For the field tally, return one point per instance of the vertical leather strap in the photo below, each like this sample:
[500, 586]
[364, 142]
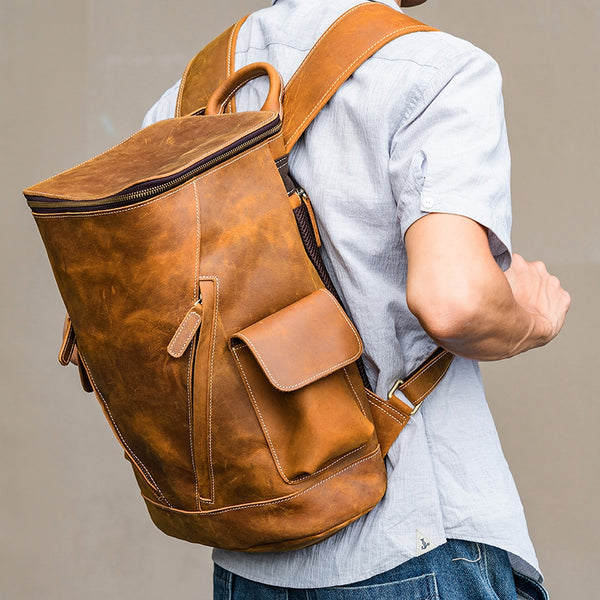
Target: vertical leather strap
[345, 45]
[211, 66]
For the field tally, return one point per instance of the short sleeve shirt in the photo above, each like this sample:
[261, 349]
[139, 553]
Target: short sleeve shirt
[418, 128]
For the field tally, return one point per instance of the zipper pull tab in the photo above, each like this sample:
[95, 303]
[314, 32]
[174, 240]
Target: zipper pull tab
[186, 331]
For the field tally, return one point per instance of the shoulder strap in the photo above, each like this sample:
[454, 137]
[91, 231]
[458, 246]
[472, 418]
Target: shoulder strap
[211, 66]
[347, 44]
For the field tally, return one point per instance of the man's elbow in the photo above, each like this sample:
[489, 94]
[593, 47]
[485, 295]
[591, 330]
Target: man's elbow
[447, 314]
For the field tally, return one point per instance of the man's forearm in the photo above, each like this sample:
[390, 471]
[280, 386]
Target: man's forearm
[466, 303]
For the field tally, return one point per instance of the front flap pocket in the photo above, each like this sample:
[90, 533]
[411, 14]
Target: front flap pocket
[303, 342]
[308, 404]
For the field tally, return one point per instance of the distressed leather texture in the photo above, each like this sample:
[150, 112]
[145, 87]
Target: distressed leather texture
[224, 367]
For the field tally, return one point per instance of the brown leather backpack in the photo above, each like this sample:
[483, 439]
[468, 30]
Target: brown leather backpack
[188, 262]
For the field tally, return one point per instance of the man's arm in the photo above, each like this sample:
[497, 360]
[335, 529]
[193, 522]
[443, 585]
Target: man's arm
[466, 303]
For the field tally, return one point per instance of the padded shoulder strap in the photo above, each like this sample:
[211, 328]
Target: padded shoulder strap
[212, 65]
[347, 43]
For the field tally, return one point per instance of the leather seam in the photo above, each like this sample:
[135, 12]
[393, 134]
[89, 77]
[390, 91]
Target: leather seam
[423, 371]
[375, 454]
[138, 462]
[260, 417]
[195, 295]
[268, 436]
[360, 406]
[389, 407]
[214, 279]
[325, 33]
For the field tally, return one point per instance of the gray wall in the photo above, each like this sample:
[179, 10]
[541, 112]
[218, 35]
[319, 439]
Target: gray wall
[77, 76]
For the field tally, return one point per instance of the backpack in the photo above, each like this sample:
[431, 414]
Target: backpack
[203, 316]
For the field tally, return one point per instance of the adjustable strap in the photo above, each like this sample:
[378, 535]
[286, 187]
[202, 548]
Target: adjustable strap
[391, 415]
[422, 381]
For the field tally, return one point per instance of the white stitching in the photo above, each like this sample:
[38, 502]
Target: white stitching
[215, 280]
[380, 407]
[389, 406]
[190, 363]
[360, 406]
[259, 413]
[178, 351]
[313, 377]
[272, 502]
[469, 560]
[424, 394]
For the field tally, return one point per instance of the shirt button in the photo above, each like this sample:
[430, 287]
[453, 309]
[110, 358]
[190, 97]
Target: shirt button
[426, 203]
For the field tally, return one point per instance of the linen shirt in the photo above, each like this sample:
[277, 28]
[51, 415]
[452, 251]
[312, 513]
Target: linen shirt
[418, 128]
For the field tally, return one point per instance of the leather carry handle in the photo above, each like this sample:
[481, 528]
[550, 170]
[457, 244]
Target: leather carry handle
[228, 88]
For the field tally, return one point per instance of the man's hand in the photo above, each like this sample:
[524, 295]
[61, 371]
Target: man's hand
[540, 294]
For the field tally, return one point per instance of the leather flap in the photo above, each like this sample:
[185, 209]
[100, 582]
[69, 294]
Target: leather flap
[303, 342]
[157, 152]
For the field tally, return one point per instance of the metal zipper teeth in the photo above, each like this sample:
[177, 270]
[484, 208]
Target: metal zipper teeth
[140, 196]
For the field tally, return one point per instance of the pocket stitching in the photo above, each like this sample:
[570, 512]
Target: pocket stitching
[235, 350]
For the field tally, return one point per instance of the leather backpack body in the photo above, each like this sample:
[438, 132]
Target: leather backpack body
[204, 320]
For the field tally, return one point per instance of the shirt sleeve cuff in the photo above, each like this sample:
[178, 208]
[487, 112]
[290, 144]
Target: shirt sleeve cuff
[498, 229]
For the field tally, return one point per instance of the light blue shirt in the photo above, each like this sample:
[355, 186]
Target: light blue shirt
[418, 128]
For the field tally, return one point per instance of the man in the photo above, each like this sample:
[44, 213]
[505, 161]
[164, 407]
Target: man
[407, 168]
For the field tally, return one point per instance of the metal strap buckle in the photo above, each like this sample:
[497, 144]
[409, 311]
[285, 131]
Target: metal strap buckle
[395, 388]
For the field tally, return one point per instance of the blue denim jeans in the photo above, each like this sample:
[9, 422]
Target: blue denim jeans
[457, 570]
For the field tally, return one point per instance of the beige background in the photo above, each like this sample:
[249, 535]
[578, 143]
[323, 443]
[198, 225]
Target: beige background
[77, 76]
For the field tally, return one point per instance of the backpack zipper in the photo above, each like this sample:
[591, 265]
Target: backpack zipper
[51, 205]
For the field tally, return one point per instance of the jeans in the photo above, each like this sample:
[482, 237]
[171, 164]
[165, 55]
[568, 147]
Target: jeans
[457, 570]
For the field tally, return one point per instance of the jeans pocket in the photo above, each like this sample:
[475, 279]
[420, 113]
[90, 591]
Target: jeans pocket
[529, 589]
[423, 587]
